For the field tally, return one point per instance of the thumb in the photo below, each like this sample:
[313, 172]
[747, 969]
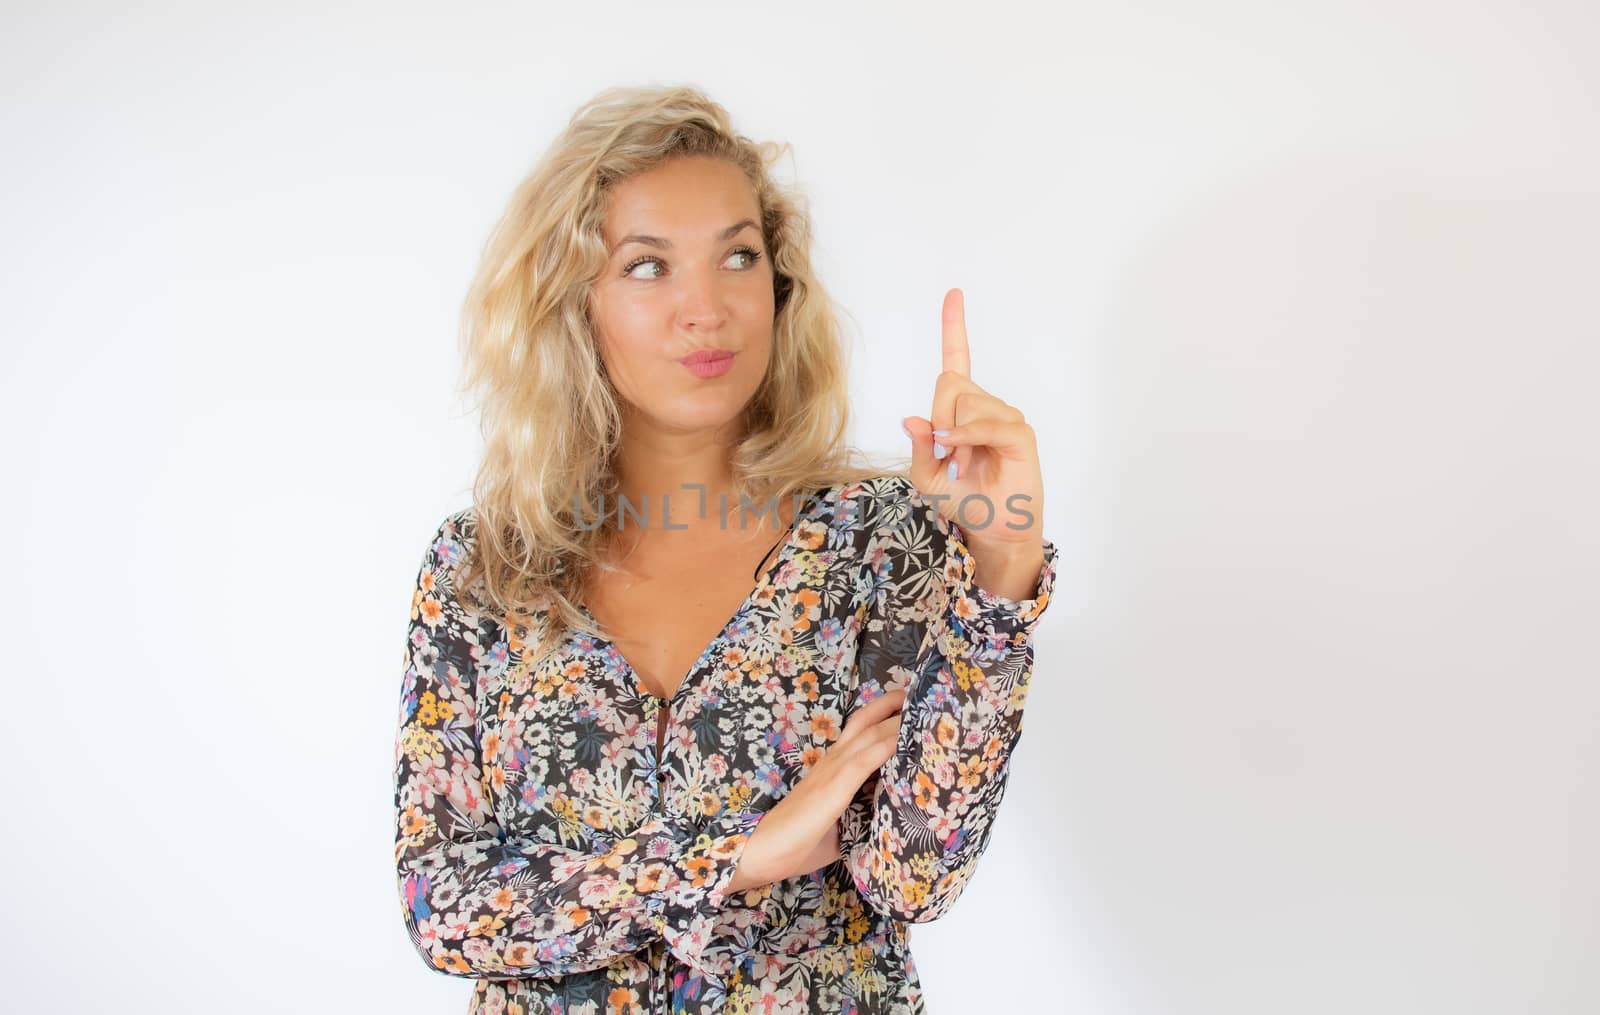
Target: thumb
[923, 464]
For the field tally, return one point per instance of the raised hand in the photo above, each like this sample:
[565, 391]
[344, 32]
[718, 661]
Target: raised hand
[975, 444]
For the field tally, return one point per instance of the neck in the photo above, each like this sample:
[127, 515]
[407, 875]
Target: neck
[686, 472]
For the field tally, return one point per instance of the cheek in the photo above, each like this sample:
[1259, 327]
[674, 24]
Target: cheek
[761, 296]
[626, 333]
[755, 308]
[629, 320]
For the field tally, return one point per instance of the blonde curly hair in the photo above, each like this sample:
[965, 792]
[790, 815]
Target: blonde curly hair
[550, 417]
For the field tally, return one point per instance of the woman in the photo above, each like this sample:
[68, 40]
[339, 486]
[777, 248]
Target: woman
[612, 794]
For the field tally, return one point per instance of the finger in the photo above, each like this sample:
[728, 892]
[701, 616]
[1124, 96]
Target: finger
[887, 735]
[873, 747]
[1008, 438]
[971, 402]
[968, 408]
[976, 403]
[960, 463]
[923, 464]
[957, 357]
[947, 391]
[872, 712]
[829, 788]
[878, 709]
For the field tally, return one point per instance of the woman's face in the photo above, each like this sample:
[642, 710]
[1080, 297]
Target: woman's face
[687, 271]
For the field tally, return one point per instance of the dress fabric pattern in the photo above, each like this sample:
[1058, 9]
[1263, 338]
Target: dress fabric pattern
[545, 851]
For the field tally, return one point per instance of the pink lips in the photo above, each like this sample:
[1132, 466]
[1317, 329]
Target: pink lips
[708, 362]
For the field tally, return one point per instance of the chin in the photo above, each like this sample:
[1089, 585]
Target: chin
[699, 413]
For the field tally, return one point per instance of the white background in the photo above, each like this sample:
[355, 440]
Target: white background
[1300, 299]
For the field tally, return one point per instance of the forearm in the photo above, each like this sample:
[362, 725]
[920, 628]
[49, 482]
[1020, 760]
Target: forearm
[754, 872]
[744, 878]
[969, 676]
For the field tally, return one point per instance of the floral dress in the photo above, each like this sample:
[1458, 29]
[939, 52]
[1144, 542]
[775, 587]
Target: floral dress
[547, 850]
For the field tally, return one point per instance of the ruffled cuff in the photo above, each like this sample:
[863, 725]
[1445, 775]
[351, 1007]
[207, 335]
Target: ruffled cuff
[991, 623]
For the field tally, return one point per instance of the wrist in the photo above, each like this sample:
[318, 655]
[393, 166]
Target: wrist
[749, 872]
[1008, 570]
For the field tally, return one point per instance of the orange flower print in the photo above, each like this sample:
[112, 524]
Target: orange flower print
[825, 725]
[613, 858]
[452, 962]
[970, 773]
[811, 534]
[653, 877]
[432, 613]
[697, 868]
[487, 925]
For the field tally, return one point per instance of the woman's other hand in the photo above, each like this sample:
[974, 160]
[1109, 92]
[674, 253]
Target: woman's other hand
[801, 832]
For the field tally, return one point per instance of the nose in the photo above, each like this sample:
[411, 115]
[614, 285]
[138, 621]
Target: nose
[700, 304]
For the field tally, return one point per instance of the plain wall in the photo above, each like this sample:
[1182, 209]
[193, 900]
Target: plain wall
[1300, 299]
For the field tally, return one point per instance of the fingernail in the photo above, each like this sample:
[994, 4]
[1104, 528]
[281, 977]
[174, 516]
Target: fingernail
[939, 450]
[907, 429]
[951, 472]
[941, 433]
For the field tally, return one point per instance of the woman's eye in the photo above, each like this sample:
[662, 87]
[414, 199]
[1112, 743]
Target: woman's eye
[628, 272]
[749, 256]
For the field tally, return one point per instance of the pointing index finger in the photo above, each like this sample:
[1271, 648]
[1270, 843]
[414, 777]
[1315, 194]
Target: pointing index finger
[956, 355]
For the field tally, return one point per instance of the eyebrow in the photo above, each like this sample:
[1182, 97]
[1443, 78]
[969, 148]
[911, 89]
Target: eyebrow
[658, 242]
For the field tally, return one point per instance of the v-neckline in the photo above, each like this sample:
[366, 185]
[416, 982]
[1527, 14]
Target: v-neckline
[767, 577]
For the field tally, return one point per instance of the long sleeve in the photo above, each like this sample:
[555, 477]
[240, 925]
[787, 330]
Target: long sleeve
[964, 658]
[479, 903]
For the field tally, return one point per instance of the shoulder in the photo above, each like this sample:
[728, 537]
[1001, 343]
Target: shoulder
[888, 511]
[873, 493]
[452, 539]
[448, 551]
[889, 502]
